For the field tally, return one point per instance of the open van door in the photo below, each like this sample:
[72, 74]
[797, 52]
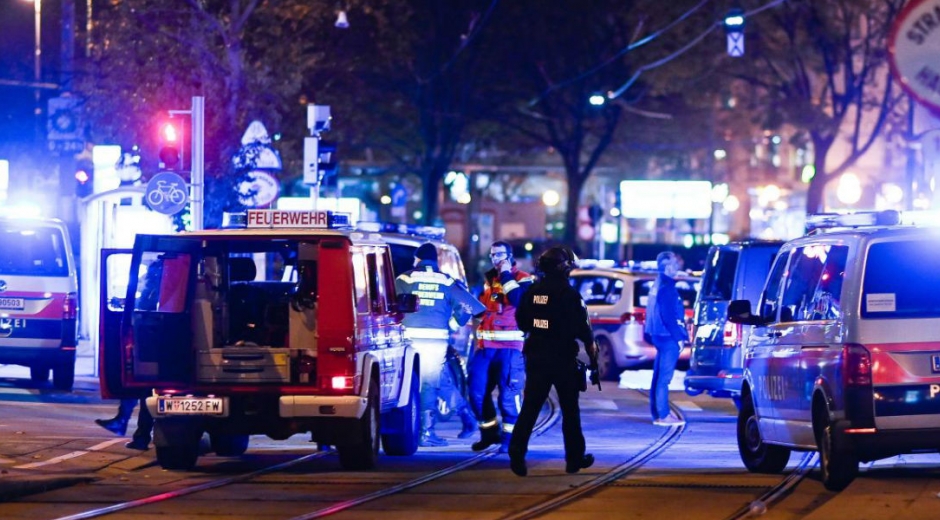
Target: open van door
[114, 280]
[146, 336]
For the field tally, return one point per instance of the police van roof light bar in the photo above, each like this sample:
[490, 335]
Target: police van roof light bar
[823, 221]
[430, 232]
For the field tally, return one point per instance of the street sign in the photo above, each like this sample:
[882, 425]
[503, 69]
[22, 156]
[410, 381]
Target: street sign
[259, 190]
[64, 127]
[399, 201]
[913, 46]
[166, 193]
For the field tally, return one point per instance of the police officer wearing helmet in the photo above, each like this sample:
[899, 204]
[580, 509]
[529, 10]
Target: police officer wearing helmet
[553, 316]
[440, 299]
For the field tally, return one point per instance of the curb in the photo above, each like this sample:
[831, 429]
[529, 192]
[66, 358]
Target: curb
[16, 484]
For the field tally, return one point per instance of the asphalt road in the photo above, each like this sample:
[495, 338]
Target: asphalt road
[55, 462]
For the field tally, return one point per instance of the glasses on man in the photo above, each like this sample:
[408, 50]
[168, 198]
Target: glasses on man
[498, 255]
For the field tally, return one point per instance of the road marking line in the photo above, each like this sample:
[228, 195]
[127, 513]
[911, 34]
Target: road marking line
[67, 456]
[688, 406]
[598, 404]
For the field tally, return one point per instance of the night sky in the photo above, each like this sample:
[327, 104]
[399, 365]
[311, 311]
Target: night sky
[16, 63]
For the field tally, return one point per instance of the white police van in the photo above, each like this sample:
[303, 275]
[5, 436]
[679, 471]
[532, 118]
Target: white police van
[38, 299]
[844, 355]
[289, 325]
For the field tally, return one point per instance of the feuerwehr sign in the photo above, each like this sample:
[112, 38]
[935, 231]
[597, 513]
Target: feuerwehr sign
[913, 47]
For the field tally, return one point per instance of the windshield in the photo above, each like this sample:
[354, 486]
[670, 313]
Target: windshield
[34, 251]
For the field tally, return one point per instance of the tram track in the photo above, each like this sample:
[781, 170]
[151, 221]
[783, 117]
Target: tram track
[545, 423]
[669, 437]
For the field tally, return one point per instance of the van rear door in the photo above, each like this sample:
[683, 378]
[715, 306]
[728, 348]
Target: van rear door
[115, 270]
[156, 322]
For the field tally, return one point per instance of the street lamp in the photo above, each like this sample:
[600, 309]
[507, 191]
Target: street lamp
[37, 63]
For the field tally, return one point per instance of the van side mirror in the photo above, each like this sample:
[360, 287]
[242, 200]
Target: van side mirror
[739, 311]
[407, 303]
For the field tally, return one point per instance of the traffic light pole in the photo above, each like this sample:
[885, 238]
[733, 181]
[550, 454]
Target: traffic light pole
[197, 113]
[197, 179]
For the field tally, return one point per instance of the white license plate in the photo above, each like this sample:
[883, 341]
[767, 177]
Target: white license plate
[190, 406]
[17, 304]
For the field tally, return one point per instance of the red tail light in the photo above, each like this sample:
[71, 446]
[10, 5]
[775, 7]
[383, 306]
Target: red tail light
[638, 315]
[70, 306]
[856, 365]
[731, 334]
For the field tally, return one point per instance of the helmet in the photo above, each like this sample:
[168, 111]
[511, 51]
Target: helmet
[557, 260]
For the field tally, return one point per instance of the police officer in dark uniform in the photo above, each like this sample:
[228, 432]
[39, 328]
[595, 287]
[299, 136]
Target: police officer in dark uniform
[553, 316]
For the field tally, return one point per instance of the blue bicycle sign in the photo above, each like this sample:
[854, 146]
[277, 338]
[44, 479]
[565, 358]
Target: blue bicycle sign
[166, 193]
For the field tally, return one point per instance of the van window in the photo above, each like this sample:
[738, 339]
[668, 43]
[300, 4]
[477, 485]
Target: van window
[360, 279]
[815, 273]
[718, 280]
[770, 300]
[901, 280]
[162, 284]
[34, 251]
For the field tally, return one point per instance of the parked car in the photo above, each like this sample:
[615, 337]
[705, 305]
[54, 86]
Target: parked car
[844, 356]
[616, 300]
[734, 271]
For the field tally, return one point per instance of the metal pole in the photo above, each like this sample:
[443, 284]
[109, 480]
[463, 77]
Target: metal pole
[197, 178]
[89, 26]
[37, 64]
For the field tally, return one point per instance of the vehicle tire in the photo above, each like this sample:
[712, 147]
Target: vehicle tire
[38, 375]
[693, 391]
[228, 445]
[63, 375]
[758, 456]
[180, 457]
[837, 463]
[405, 442]
[606, 366]
[365, 453]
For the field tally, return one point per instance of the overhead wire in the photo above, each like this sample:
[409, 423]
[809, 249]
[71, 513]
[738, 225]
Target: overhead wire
[617, 93]
[621, 52]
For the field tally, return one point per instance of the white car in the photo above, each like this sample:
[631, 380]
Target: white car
[616, 300]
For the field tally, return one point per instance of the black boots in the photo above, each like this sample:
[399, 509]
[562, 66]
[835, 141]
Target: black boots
[429, 438]
[586, 462]
[138, 444]
[488, 437]
[517, 465]
[116, 425]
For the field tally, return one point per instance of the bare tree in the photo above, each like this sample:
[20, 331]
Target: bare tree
[821, 65]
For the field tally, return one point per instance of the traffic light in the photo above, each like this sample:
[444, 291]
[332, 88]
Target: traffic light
[171, 136]
[84, 178]
[327, 158]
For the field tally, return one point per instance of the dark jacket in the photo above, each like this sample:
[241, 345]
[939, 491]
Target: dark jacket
[553, 316]
[440, 296]
[665, 314]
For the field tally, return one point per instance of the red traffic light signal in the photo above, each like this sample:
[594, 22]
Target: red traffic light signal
[170, 145]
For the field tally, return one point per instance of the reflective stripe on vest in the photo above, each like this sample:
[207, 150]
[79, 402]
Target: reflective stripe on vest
[501, 335]
[426, 333]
